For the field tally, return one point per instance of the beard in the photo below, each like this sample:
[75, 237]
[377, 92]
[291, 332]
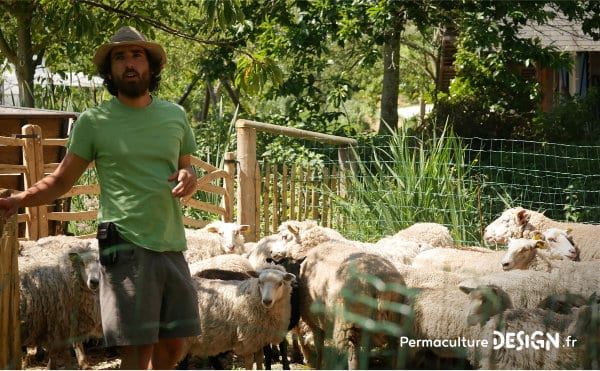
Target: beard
[132, 89]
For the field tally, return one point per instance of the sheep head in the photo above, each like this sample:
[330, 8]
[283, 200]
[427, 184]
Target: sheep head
[485, 302]
[230, 233]
[86, 265]
[561, 243]
[274, 284]
[521, 252]
[511, 223]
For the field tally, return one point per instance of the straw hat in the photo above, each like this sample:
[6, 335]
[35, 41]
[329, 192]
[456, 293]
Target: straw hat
[128, 35]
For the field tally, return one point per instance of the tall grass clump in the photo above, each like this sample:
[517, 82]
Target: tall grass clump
[409, 180]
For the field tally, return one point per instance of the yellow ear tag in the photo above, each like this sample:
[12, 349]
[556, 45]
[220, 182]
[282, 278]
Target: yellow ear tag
[540, 245]
[537, 236]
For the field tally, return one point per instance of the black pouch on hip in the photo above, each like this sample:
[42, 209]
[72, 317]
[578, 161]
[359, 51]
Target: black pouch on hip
[107, 236]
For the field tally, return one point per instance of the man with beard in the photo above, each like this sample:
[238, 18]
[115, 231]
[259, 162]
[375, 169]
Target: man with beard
[142, 150]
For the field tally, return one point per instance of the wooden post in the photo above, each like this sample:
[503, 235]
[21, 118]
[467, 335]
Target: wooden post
[229, 168]
[10, 340]
[246, 202]
[33, 160]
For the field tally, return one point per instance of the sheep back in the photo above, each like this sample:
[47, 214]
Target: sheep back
[334, 274]
[476, 261]
[436, 235]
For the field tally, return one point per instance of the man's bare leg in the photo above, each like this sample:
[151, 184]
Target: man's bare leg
[136, 357]
[167, 353]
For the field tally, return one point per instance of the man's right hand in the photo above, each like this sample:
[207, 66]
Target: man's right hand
[8, 207]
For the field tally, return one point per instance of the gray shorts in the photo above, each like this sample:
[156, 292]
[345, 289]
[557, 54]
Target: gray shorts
[146, 296]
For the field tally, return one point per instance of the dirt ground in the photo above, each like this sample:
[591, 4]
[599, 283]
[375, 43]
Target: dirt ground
[101, 358]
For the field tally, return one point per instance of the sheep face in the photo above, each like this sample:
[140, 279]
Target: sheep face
[521, 251]
[287, 236]
[87, 266]
[231, 234]
[560, 243]
[280, 247]
[485, 302]
[511, 223]
[274, 285]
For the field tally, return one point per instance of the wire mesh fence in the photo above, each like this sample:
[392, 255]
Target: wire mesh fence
[463, 183]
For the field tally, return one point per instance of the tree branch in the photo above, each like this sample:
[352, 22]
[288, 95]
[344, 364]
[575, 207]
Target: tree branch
[170, 30]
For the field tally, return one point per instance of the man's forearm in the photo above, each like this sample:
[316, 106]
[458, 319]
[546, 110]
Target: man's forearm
[43, 192]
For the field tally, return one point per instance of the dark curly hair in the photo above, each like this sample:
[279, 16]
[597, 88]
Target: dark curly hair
[155, 69]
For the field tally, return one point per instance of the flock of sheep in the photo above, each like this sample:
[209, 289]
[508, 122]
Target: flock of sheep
[408, 297]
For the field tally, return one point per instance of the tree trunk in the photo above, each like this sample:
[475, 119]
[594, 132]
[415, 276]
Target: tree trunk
[25, 65]
[391, 77]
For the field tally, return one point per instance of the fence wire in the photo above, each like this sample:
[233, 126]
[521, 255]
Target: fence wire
[392, 188]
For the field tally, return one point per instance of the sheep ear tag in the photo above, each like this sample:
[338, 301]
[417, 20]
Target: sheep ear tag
[537, 236]
[540, 245]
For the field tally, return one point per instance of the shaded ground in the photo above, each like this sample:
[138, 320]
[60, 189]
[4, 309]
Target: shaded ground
[101, 358]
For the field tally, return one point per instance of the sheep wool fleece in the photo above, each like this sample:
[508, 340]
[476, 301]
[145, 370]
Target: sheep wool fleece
[136, 150]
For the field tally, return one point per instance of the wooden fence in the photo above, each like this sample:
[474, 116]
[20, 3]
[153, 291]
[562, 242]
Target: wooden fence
[296, 193]
[37, 220]
[10, 345]
[249, 190]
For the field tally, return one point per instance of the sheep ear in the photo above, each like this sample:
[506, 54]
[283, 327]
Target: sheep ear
[244, 228]
[522, 217]
[540, 245]
[289, 277]
[212, 229]
[292, 228]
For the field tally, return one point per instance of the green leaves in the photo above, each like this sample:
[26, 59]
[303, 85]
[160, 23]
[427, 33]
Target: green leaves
[253, 75]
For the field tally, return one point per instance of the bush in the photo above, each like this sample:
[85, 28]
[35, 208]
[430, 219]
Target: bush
[574, 120]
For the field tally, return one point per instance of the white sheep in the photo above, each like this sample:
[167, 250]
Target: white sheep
[260, 253]
[301, 236]
[422, 277]
[434, 234]
[525, 253]
[527, 288]
[396, 249]
[242, 316]
[560, 244]
[228, 262]
[491, 315]
[216, 238]
[407, 243]
[295, 239]
[59, 297]
[334, 277]
[522, 223]
[466, 260]
[440, 313]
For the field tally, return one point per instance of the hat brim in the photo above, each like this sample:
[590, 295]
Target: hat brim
[154, 49]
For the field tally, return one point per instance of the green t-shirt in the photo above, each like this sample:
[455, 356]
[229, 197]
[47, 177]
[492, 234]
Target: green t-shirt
[136, 150]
